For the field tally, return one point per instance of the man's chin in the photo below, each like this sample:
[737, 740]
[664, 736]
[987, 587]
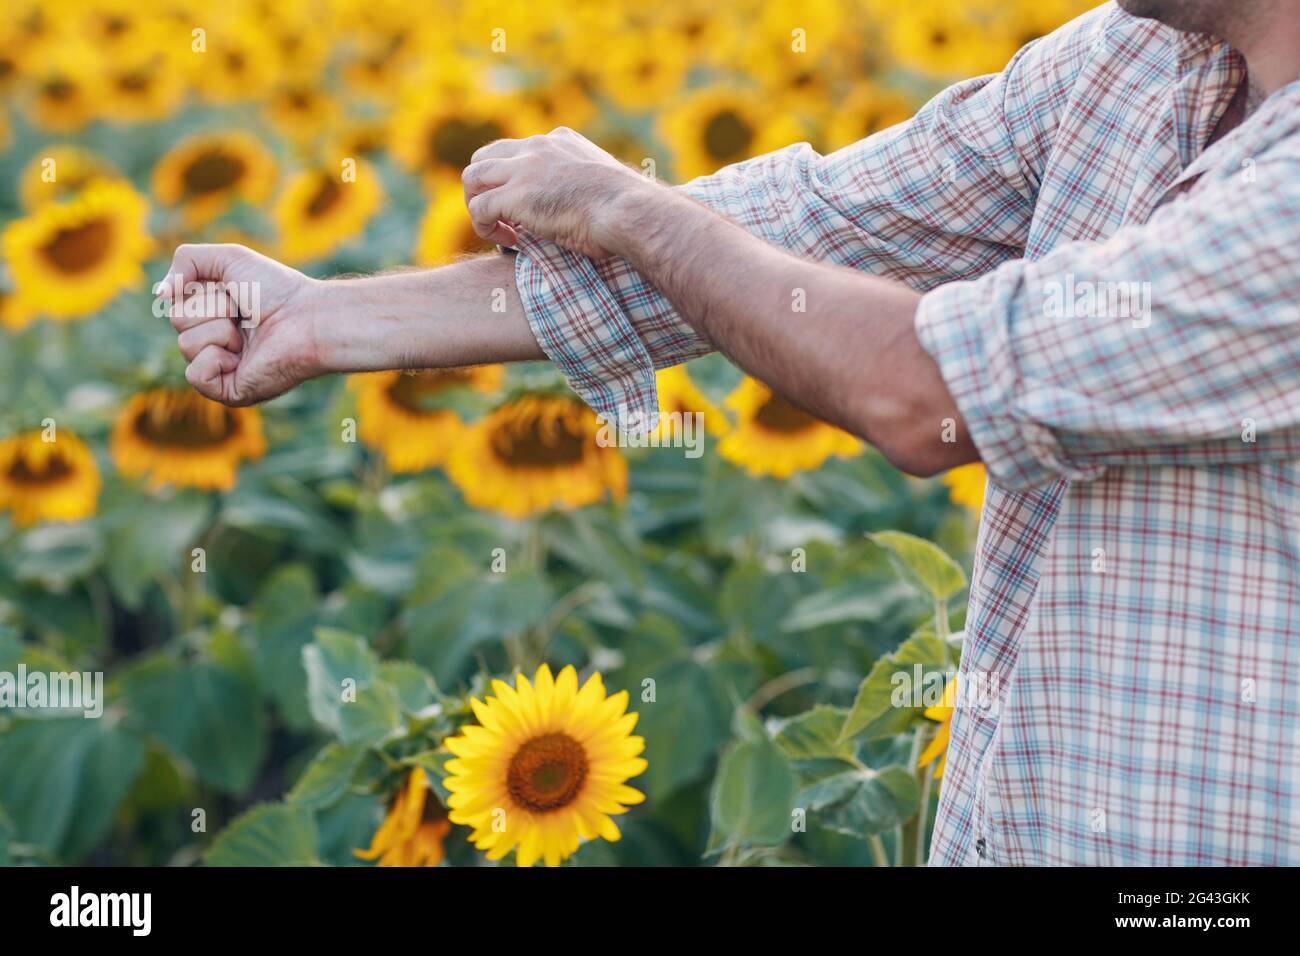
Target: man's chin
[1146, 9]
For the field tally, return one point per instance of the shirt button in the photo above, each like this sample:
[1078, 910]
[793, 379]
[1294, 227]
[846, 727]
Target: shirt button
[979, 847]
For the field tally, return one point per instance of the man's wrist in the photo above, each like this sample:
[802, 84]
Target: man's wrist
[343, 336]
[637, 211]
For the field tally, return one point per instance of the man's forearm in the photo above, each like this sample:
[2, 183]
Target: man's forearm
[467, 313]
[838, 342]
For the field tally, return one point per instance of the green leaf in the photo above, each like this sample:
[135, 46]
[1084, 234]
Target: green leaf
[207, 713]
[415, 688]
[284, 615]
[923, 563]
[272, 834]
[861, 802]
[889, 698]
[444, 629]
[326, 778]
[842, 604]
[152, 537]
[6, 835]
[344, 690]
[62, 781]
[54, 554]
[753, 796]
[815, 735]
[682, 727]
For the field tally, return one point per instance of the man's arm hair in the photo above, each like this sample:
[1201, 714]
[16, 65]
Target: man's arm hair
[836, 341]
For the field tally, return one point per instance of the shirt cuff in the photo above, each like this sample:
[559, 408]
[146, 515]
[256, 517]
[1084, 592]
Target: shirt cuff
[966, 327]
[582, 329]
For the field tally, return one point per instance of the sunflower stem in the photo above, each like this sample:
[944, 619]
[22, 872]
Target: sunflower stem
[922, 845]
[878, 854]
[906, 833]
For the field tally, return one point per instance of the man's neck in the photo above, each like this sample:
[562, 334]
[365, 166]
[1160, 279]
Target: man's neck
[1270, 43]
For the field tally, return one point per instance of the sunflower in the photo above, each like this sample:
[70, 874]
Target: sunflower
[773, 437]
[678, 395]
[446, 231]
[359, 137]
[65, 83]
[13, 314]
[939, 39]
[14, 54]
[47, 481]
[966, 485]
[70, 258]
[209, 172]
[322, 208]
[176, 436]
[300, 109]
[640, 73]
[536, 452]
[868, 109]
[712, 128]
[412, 833]
[381, 60]
[397, 412]
[942, 712]
[545, 767]
[141, 84]
[238, 62]
[58, 172]
[563, 101]
[438, 135]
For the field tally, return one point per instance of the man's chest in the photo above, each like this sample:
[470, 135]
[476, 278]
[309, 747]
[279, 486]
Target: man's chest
[1130, 141]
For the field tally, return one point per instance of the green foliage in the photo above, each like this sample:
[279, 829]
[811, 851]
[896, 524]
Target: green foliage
[322, 667]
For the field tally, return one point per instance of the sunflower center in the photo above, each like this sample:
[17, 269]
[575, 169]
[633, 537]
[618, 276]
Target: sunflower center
[212, 172]
[189, 425]
[328, 195]
[137, 82]
[547, 772]
[778, 415]
[453, 142]
[433, 812]
[24, 472]
[412, 392]
[727, 135]
[59, 89]
[78, 248]
[540, 440]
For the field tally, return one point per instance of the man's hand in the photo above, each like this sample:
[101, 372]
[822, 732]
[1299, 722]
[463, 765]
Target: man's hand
[560, 186]
[246, 322]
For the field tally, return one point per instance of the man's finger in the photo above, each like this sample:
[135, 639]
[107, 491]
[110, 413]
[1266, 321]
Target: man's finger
[209, 302]
[498, 149]
[485, 174]
[222, 332]
[196, 262]
[485, 211]
[211, 373]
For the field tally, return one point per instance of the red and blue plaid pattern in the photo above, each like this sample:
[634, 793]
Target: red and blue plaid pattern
[1137, 574]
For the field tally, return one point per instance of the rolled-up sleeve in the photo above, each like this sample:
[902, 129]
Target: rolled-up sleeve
[948, 195]
[1174, 342]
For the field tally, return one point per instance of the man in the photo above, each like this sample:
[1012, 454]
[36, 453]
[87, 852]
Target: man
[1083, 271]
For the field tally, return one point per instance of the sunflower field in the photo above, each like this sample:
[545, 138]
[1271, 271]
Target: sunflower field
[422, 619]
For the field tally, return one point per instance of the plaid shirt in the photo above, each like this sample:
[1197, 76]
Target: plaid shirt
[1115, 308]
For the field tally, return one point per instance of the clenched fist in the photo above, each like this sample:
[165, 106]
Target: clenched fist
[246, 322]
